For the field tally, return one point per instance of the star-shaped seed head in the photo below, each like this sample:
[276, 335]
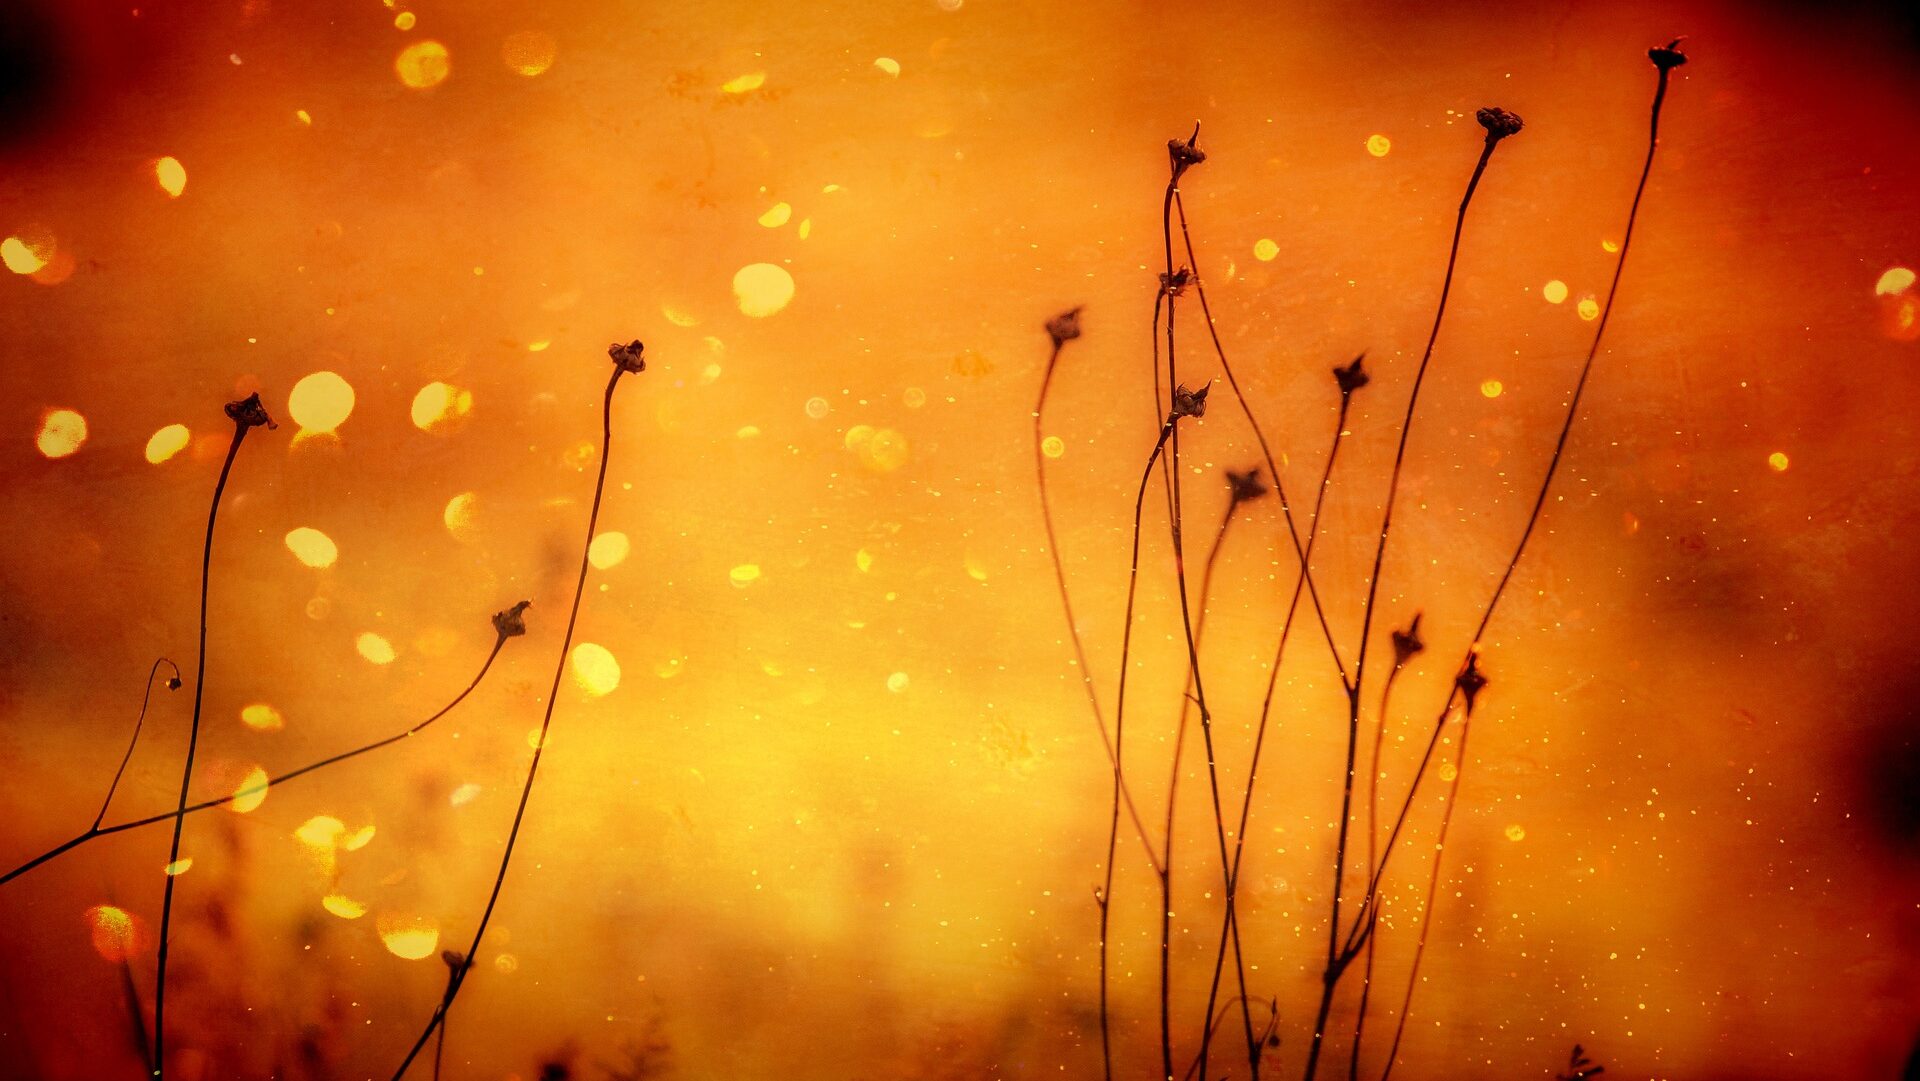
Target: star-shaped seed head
[1190, 403]
[1667, 57]
[1471, 680]
[249, 413]
[1499, 123]
[1064, 327]
[1246, 486]
[511, 623]
[629, 357]
[1407, 643]
[1352, 377]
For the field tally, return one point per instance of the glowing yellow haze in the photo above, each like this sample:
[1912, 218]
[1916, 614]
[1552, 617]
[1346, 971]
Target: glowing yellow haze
[320, 402]
[61, 433]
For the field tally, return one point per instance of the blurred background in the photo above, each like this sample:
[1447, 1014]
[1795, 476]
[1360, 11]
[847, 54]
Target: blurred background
[824, 799]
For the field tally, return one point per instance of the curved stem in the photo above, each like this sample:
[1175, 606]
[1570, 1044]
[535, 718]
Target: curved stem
[1373, 856]
[168, 816]
[1173, 793]
[546, 723]
[1539, 506]
[1335, 965]
[240, 428]
[138, 722]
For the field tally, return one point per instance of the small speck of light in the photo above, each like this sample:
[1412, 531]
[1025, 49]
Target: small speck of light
[423, 64]
[1492, 388]
[303, 117]
[405, 21]
[608, 550]
[117, 935]
[343, 906]
[1516, 832]
[251, 792]
[1053, 446]
[375, 648]
[742, 84]
[898, 682]
[1609, 245]
[24, 258]
[1448, 771]
[262, 717]
[312, 547]
[167, 442]
[889, 66]
[171, 175]
[438, 404]
[776, 215]
[595, 669]
[1589, 309]
[1379, 145]
[461, 515]
[409, 939]
[817, 407]
[1265, 250]
[1896, 280]
[762, 289]
[745, 574]
[179, 867]
[61, 433]
[1555, 291]
[1777, 461]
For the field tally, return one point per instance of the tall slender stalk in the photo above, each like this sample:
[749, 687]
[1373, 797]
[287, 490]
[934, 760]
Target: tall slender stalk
[1062, 329]
[1665, 59]
[1349, 379]
[1499, 124]
[173, 684]
[506, 624]
[1243, 487]
[246, 415]
[626, 358]
[1105, 894]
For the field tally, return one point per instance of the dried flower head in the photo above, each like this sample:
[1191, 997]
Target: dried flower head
[1407, 643]
[1246, 486]
[1471, 680]
[1352, 377]
[249, 413]
[1064, 327]
[1190, 403]
[453, 959]
[1176, 283]
[1668, 56]
[1499, 123]
[629, 357]
[511, 623]
[1183, 156]
[173, 683]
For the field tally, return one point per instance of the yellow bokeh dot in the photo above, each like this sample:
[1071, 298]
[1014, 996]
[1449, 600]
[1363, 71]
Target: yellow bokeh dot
[529, 52]
[251, 792]
[375, 648]
[439, 404]
[1778, 462]
[608, 549]
[888, 66]
[343, 906]
[462, 515]
[777, 215]
[863, 559]
[1516, 832]
[762, 289]
[1053, 446]
[1609, 246]
[61, 433]
[262, 717]
[1589, 308]
[178, 867]
[167, 442]
[1555, 291]
[312, 547]
[595, 669]
[409, 939]
[1378, 145]
[744, 575]
[1896, 280]
[817, 407]
[887, 451]
[171, 176]
[320, 402]
[1265, 250]
[405, 21]
[898, 682]
[506, 964]
[423, 64]
[741, 84]
[1448, 771]
[1492, 388]
[22, 257]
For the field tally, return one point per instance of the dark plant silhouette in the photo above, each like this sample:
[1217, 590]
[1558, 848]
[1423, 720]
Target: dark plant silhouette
[1579, 1067]
[626, 358]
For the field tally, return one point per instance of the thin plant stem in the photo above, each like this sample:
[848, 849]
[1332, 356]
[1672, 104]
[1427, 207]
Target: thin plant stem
[1273, 1022]
[1105, 896]
[173, 682]
[242, 423]
[1664, 61]
[1260, 437]
[1373, 836]
[1335, 965]
[102, 831]
[459, 978]
[1066, 599]
[1173, 791]
[1229, 923]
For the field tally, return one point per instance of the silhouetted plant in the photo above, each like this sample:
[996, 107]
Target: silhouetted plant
[1579, 1067]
